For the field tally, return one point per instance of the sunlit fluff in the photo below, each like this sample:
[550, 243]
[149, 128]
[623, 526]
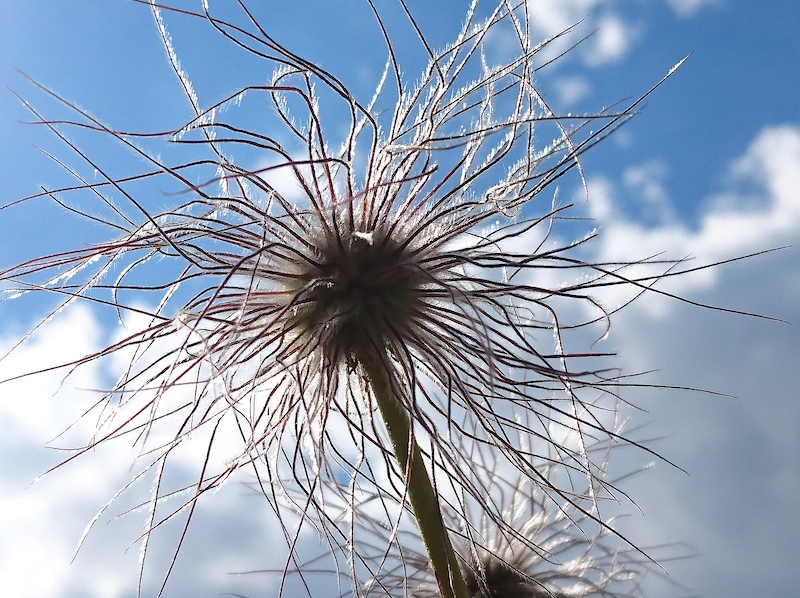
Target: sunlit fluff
[542, 549]
[297, 258]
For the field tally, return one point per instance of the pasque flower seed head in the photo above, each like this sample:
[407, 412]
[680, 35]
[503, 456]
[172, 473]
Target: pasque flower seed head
[408, 273]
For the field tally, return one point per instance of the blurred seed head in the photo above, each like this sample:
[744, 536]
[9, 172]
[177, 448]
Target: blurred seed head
[539, 547]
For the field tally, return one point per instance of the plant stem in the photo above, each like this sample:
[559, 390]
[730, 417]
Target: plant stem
[421, 495]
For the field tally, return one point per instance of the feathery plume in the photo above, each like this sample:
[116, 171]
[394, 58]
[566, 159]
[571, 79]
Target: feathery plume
[346, 292]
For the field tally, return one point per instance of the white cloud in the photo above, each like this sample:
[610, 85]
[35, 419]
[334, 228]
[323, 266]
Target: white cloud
[72, 333]
[553, 16]
[42, 523]
[737, 221]
[612, 40]
[282, 178]
[571, 90]
[687, 8]
[741, 453]
[614, 35]
[45, 520]
[646, 182]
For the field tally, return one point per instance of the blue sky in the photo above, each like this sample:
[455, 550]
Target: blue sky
[711, 168]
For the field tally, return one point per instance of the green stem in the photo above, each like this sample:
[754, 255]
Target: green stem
[421, 495]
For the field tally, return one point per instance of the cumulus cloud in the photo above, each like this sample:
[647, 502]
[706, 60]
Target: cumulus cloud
[612, 41]
[736, 507]
[553, 16]
[760, 210]
[613, 35]
[45, 519]
[42, 523]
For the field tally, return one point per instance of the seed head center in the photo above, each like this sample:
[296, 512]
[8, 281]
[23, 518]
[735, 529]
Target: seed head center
[364, 294]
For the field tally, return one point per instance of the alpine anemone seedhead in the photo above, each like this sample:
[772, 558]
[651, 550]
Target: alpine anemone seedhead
[413, 282]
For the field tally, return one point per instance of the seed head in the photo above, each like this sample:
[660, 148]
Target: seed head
[542, 548]
[420, 241]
